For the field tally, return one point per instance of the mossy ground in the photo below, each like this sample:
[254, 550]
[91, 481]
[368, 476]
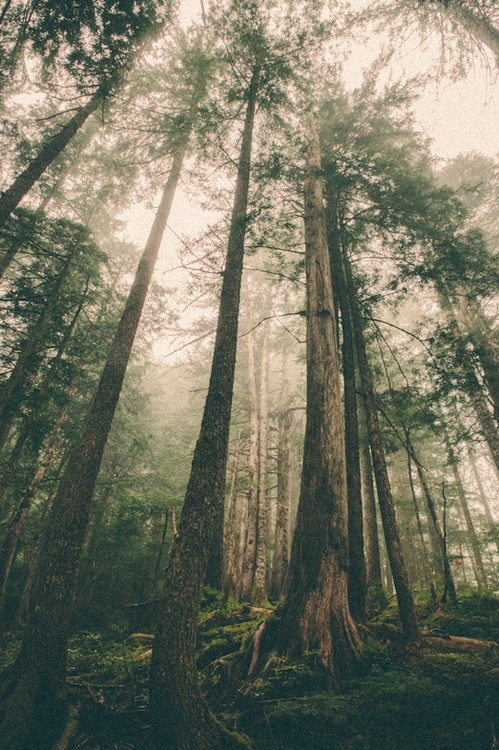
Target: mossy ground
[422, 699]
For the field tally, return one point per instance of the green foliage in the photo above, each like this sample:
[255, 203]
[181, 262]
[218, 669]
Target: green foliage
[94, 39]
[473, 616]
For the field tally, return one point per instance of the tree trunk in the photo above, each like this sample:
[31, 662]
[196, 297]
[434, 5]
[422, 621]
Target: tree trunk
[315, 615]
[251, 530]
[33, 704]
[481, 577]
[357, 568]
[175, 690]
[449, 586]
[376, 598]
[48, 153]
[283, 514]
[10, 541]
[483, 496]
[394, 548]
[427, 568]
[259, 588]
[231, 536]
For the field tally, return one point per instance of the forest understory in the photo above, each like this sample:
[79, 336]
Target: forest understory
[440, 694]
[249, 377]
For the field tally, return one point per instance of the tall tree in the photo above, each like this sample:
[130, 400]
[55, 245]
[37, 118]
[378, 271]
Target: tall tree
[315, 615]
[32, 689]
[174, 684]
[102, 42]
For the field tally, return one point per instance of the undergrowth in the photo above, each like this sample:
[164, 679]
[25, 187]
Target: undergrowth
[426, 699]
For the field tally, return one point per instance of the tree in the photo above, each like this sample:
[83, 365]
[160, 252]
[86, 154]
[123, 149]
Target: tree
[315, 615]
[32, 692]
[174, 684]
[115, 33]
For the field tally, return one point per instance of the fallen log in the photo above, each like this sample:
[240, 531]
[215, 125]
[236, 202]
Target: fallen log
[459, 643]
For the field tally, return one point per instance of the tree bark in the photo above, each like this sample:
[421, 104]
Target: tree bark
[315, 615]
[175, 690]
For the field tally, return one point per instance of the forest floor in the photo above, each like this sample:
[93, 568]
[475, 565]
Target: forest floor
[443, 695]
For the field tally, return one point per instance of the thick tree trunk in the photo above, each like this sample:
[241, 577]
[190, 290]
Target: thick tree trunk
[32, 706]
[357, 569]
[315, 615]
[394, 548]
[175, 691]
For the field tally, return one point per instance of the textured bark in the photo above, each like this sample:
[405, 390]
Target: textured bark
[394, 548]
[315, 615]
[33, 704]
[357, 568]
[175, 690]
